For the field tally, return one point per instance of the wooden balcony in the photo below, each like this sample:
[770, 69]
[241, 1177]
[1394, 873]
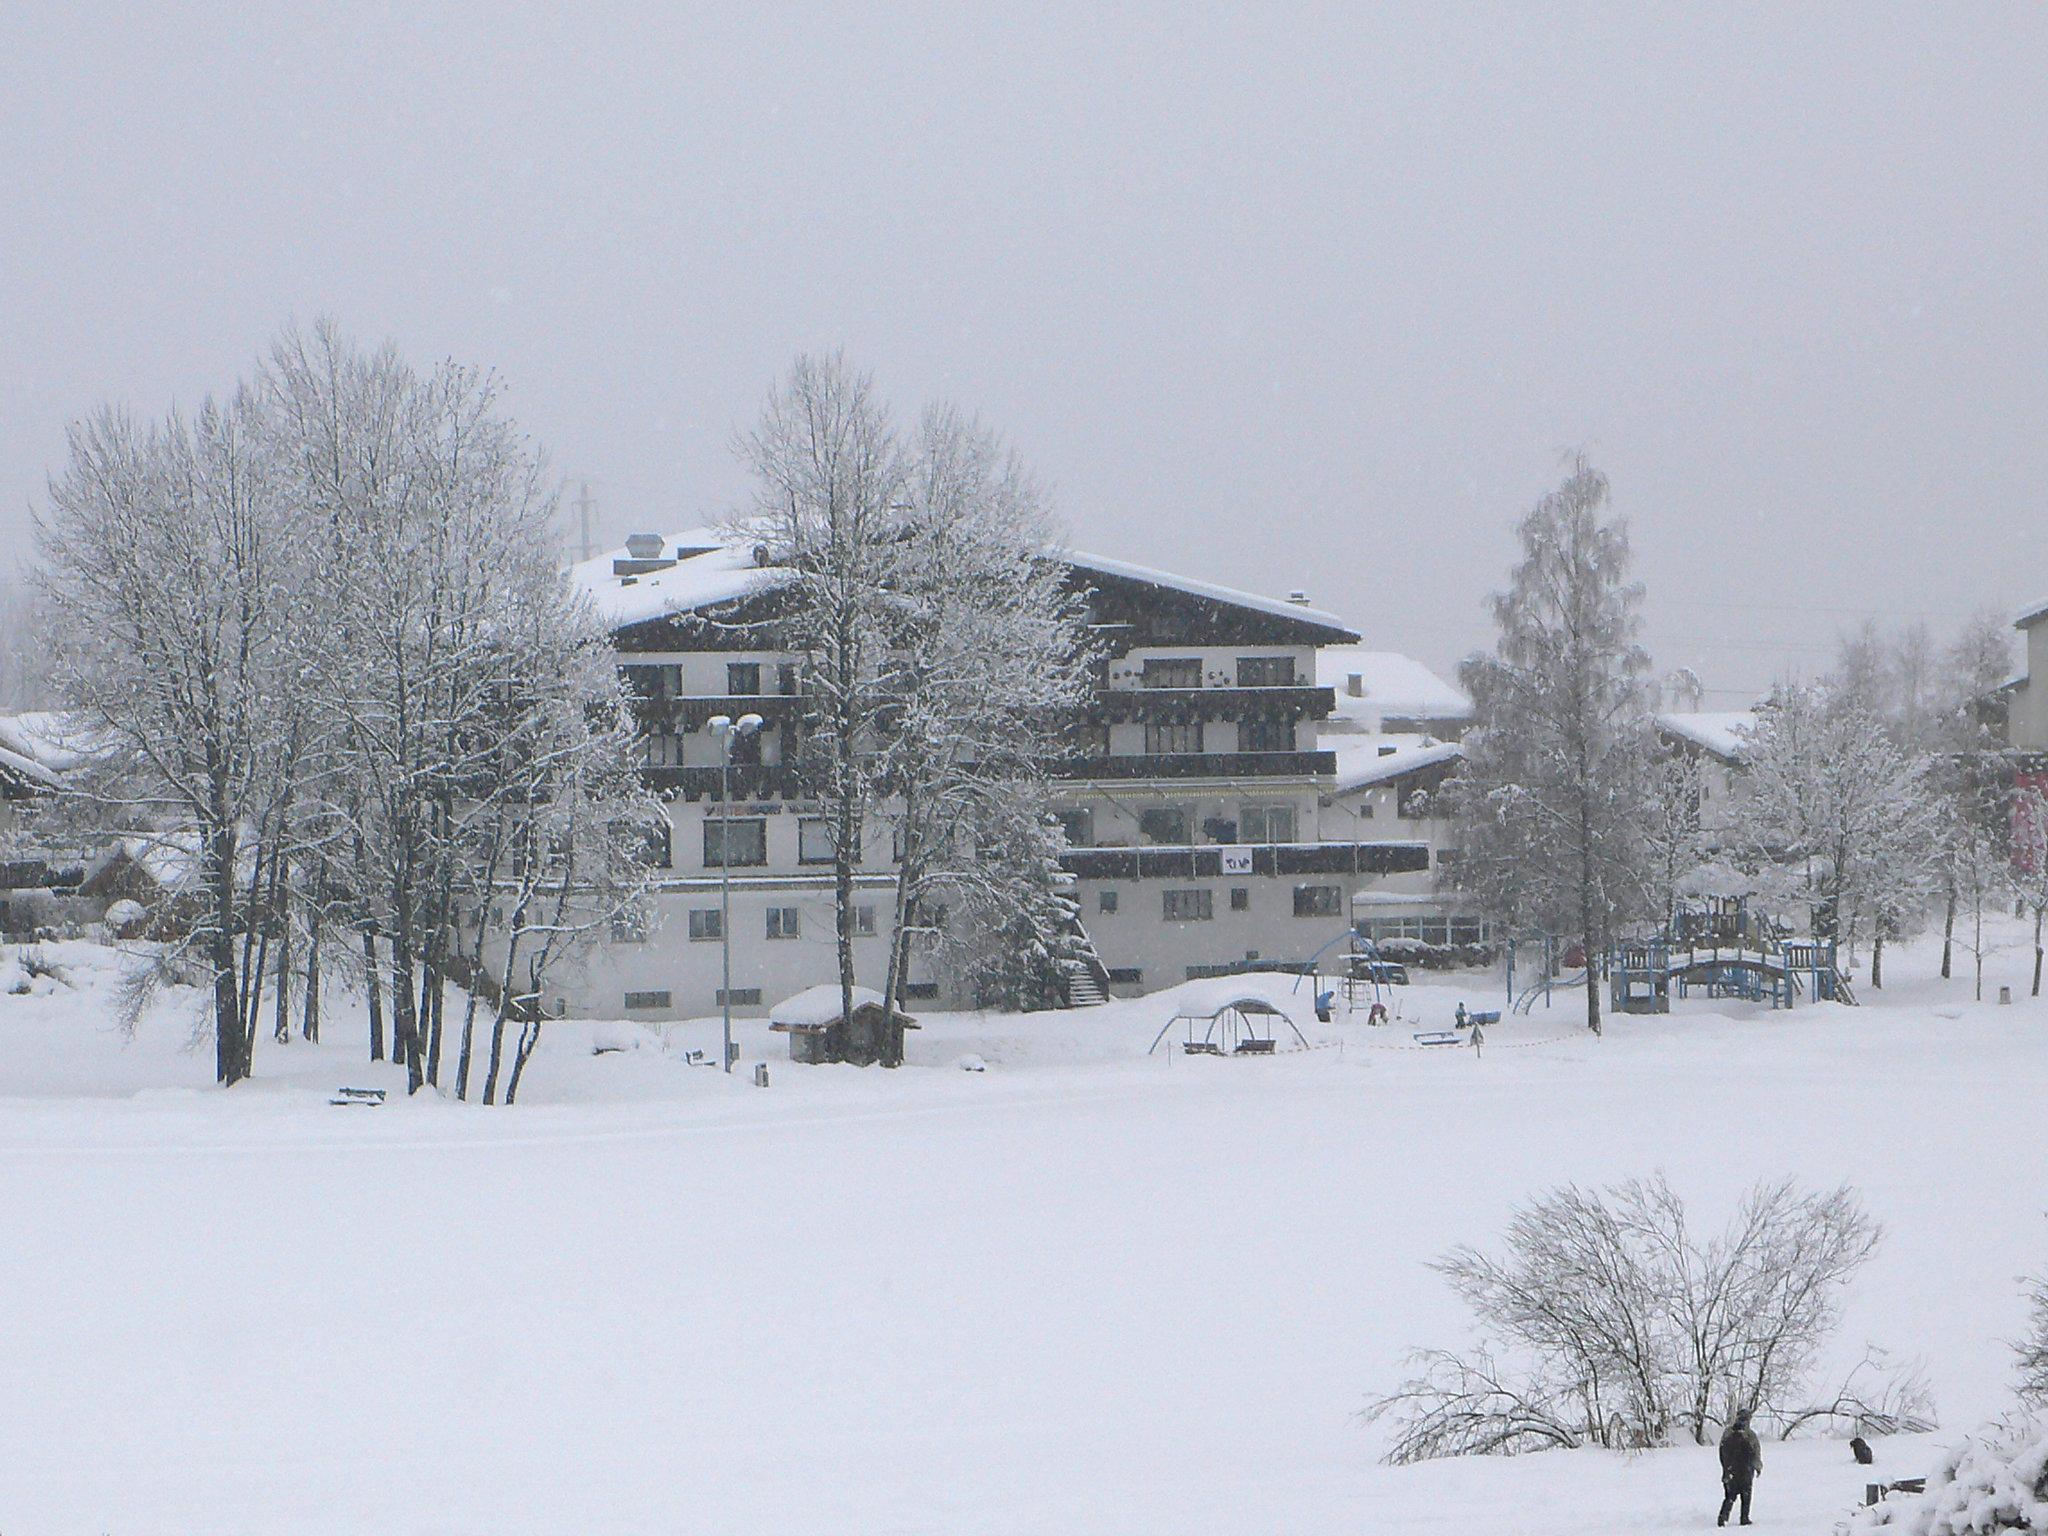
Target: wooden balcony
[750, 781]
[1162, 706]
[1198, 765]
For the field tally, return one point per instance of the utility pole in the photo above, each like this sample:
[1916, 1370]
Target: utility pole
[584, 507]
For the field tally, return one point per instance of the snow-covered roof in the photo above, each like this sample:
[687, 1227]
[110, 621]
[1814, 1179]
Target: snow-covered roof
[1389, 685]
[41, 743]
[2031, 615]
[1279, 607]
[1717, 731]
[1363, 761]
[713, 569]
[817, 1006]
[714, 566]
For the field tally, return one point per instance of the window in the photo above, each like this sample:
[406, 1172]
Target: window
[649, 843]
[813, 841]
[1189, 906]
[1167, 824]
[1266, 824]
[1105, 901]
[1177, 672]
[1126, 976]
[1365, 809]
[749, 841]
[743, 677]
[785, 679]
[744, 749]
[629, 925]
[1319, 901]
[1079, 827]
[1265, 733]
[707, 925]
[647, 1000]
[1265, 671]
[863, 922]
[1240, 898]
[653, 682]
[1446, 857]
[783, 923]
[1089, 741]
[739, 997]
[1184, 737]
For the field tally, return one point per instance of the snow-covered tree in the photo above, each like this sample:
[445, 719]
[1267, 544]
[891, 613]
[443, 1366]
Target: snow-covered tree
[1676, 844]
[1552, 798]
[1843, 817]
[2027, 857]
[171, 571]
[829, 506]
[990, 661]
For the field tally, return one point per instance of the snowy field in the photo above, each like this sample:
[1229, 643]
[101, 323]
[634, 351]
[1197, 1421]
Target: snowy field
[1085, 1290]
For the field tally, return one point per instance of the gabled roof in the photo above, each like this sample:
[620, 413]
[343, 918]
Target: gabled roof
[1274, 607]
[1363, 761]
[2031, 615]
[712, 566]
[1717, 731]
[1391, 686]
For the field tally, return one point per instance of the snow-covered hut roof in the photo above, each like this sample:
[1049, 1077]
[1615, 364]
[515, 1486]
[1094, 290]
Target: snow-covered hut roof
[1363, 761]
[816, 1007]
[1390, 686]
[1717, 731]
[40, 745]
[710, 568]
[2031, 615]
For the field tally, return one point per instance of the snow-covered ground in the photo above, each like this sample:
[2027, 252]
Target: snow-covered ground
[1083, 1290]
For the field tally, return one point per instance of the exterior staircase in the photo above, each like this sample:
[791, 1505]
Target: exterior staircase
[1086, 979]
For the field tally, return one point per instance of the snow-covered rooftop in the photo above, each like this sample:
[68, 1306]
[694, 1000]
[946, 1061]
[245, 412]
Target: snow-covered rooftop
[1390, 685]
[817, 1006]
[2031, 615]
[1277, 606]
[1717, 731]
[713, 569]
[1363, 761]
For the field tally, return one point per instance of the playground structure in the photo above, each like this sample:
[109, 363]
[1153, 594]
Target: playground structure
[1724, 949]
[1240, 1027]
[1641, 976]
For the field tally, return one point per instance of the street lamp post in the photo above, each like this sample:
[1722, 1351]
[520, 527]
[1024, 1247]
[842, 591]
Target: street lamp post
[724, 727]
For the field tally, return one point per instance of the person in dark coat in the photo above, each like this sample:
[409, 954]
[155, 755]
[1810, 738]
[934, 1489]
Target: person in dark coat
[1742, 1460]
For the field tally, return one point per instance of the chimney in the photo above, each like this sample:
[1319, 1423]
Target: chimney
[1298, 598]
[643, 554]
[1355, 685]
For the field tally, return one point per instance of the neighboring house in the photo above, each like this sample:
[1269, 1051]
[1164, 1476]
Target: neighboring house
[1385, 693]
[1386, 786]
[2026, 704]
[1714, 738]
[1196, 811]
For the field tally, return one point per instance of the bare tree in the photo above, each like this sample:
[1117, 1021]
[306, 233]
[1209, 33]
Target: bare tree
[1607, 1322]
[830, 508]
[1552, 793]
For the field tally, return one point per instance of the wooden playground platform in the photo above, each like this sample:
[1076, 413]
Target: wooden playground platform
[1642, 977]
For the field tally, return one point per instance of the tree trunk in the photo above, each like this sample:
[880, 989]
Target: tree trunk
[281, 1022]
[375, 983]
[1948, 933]
[2037, 952]
[309, 1024]
[529, 1037]
[1877, 960]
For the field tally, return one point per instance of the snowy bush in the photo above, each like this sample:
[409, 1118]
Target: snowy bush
[1607, 1322]
[2033, 1349]
[1993, 1481]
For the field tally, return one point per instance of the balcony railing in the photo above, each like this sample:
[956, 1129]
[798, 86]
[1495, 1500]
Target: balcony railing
[680, 716]
[1298, 702]
[750, 781]
[1199, 765]
[1206, 863]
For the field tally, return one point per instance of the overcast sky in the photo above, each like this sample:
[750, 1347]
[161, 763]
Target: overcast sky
[1274, 296]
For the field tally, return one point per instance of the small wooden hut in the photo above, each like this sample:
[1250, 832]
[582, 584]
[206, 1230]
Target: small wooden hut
[819, 1033]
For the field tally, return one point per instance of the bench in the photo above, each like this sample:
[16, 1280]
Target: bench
[1872, 1492]
[1255, 1047]
[367, 1097]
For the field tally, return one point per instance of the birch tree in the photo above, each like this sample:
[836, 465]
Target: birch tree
[831, 477]
[1553, 792]
[170, 567]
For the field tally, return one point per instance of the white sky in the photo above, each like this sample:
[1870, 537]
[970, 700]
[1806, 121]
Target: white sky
[1275, 296]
